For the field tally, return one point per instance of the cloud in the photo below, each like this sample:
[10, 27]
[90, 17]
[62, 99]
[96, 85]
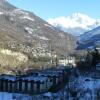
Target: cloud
[77, 20]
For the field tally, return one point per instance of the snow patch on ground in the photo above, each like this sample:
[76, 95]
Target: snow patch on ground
[29, 30]
[1, 13]
[47, 25]
[38, 27]
[42, 38]
[19, 11]
[22, 14]
[27, 17]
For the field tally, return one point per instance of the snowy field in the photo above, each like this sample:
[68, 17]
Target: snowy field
[15, 96]
[85, 88]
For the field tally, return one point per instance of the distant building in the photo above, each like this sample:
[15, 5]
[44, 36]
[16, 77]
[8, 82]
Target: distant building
[69, 61]
[98, 66]
[25, 84]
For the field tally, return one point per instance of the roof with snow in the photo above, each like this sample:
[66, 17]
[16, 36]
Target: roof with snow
[35, 79]
[8, 77]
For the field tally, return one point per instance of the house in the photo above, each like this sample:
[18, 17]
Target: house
[24, 84]
[98, 66]
[69, 61]
[55, 76]
[7, 83]
[52, 77]
[34, 83]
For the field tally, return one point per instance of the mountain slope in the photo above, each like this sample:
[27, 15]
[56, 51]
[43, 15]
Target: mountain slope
[90, 38]
[24, 32]
[75, 24]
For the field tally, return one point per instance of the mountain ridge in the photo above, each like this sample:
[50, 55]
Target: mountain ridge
[24, 32]
[90, 39]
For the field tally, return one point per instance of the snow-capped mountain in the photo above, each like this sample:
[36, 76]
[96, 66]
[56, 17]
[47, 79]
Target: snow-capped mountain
[90, 38]
[75, 24]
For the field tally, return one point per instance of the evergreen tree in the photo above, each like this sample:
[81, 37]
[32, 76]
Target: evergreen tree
[96, 57]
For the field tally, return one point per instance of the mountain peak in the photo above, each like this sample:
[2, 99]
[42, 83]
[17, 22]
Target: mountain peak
[90, 39]
[75, 24]
[78, 14]
[81, 16]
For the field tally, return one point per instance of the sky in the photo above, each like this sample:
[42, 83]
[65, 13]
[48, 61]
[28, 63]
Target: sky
[57, 8]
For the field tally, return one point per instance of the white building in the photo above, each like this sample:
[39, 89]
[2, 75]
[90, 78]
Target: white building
[70, 61]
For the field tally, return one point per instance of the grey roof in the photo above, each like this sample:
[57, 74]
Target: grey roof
[38, 78]
[8, 77]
